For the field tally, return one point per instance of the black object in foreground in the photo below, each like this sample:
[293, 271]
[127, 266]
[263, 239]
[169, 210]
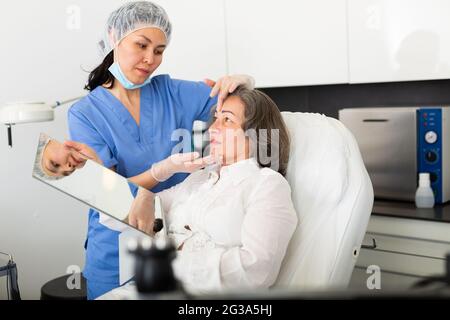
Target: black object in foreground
[158, 225]
[153, 265]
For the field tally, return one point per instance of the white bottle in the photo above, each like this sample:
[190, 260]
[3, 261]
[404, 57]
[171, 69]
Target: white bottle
[424, 193]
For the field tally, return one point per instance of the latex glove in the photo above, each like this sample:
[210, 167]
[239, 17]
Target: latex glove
[82, 152]
[180, 162]
[227, 85]
[142, 211]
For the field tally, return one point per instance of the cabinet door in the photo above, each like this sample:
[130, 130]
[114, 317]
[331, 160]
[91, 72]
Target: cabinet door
[398, 40]
[288, 43]
[197, 49]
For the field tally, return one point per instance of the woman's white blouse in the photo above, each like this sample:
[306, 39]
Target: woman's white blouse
[241, 219]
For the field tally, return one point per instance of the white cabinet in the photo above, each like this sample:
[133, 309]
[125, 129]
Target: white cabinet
[398, 40]
[306, 42]
[197, 50]
[407, 251]
[288, 43]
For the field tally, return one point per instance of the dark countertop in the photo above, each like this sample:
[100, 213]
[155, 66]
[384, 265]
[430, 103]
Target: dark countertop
[403, 209]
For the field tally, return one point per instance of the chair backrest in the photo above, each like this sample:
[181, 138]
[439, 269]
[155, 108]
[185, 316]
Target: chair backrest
[333, 196]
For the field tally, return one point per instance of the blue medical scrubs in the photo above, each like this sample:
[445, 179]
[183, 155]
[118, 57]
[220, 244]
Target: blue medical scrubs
[101, 121]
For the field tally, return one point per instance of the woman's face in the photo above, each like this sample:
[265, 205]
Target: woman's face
[140, 53]
[58, 160]
[228, 142]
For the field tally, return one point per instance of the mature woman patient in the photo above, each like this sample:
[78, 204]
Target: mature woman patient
[232, 222]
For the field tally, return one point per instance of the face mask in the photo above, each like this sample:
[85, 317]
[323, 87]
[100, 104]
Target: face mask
[120, 76]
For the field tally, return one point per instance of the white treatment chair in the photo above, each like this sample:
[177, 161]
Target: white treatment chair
[333, 197]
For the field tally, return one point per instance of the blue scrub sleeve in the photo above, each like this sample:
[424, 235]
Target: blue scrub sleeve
[195, 99]
[81, 130]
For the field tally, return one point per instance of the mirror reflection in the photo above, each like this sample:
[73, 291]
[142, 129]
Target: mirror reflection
[82, 176]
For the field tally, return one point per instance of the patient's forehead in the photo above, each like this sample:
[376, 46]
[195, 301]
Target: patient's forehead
[54, 145]
[235, 105]
[54, 148]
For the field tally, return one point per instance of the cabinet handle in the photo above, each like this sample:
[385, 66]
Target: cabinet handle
[372, 246]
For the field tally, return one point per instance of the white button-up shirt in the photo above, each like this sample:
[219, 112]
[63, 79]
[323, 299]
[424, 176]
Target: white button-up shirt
[241, 220]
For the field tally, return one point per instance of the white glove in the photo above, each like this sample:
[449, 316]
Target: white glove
[180, 162]
[142, 211]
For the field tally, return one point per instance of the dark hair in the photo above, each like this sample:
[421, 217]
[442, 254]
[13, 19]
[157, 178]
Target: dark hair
[101, 75]
[261, 113]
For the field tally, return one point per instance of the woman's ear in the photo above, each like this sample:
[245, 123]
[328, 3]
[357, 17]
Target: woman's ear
[112, 39]
[115, 58]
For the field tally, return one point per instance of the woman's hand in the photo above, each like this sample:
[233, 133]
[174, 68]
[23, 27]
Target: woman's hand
[82, 152]
[142, 211]
[227, 85]
[180, 162]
